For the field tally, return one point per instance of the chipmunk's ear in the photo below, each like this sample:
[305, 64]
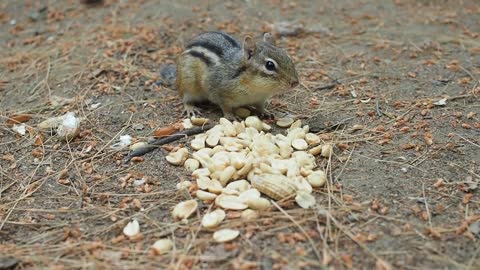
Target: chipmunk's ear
[268, 38]
[249, 47]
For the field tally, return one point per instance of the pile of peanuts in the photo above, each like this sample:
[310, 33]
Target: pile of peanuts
[235, 163]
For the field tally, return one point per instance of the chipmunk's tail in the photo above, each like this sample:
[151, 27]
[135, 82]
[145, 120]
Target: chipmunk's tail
[168, 75]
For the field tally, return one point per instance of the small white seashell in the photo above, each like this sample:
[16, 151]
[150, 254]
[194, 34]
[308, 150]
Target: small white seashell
[162, 246]
[132, 228]
[284, 122]
[299, 144]
[178, 157]
[312, 138]
[305, 200]
[317, 178]
[69, 127]
[225, 235]
[191, 164]
[124, 141]
[213, 219]
[20, 129]
[206, 196]
[184, 209]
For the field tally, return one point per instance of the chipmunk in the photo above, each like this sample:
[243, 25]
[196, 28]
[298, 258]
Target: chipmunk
[215, 67]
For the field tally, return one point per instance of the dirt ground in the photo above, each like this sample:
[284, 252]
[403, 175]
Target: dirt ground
[394, 85]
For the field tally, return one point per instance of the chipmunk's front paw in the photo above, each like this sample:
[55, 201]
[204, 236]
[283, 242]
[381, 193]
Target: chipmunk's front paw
[190, 111]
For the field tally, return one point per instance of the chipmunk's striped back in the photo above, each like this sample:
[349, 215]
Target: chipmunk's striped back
[213, 48]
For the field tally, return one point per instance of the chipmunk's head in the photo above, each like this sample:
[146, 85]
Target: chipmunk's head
[272, 64]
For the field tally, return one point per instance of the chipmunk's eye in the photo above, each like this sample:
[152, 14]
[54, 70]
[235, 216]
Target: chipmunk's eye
[270, 65]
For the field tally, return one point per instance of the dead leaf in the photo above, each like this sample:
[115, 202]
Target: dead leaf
[8, 157]
[466, 199]
[428, 137]
[434, 233]
[17, 119]
[165, 131]
[38, 140]
[347, 260]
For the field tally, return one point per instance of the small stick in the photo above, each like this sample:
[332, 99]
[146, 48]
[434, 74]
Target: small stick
[154, 145]
[377, 108]
[328, 86]
[426, 206]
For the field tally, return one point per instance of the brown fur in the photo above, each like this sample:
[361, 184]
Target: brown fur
[234, 77]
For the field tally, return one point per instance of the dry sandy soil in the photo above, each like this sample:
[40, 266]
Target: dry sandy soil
[403, 181]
